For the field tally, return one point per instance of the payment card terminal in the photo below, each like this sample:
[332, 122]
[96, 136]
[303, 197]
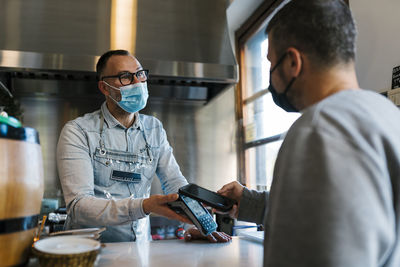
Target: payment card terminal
[199, 215]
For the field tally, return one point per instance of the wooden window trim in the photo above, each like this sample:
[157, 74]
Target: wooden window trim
[256, 20]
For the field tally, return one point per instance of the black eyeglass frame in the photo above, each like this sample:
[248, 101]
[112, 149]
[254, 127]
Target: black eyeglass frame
[146, 72]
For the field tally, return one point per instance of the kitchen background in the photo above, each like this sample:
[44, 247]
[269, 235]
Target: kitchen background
[48, 49]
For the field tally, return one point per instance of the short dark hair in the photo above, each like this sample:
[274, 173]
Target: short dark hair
[323, 29]
[101, 64]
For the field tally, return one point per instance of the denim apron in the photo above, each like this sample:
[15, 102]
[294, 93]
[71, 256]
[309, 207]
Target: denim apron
[119, 173]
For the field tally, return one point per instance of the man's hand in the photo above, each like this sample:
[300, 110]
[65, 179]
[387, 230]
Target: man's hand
[215, 237]
[158, 204]
[233, 190]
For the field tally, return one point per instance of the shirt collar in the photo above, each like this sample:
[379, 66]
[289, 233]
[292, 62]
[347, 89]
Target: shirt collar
[112, 122]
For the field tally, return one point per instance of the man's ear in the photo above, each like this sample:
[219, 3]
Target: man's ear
[296, 61]
[102, 88]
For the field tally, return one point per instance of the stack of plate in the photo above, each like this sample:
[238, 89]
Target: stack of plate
[66, 251]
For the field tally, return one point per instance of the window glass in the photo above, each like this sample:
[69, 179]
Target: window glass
[262, 118]
[256, 66]
[260, 162]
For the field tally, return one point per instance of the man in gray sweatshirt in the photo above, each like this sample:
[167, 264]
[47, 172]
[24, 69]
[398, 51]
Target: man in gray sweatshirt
[335, 196]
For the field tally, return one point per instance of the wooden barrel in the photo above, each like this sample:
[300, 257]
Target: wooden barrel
[21, 192]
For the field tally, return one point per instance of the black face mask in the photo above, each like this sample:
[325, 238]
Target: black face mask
[281, 100]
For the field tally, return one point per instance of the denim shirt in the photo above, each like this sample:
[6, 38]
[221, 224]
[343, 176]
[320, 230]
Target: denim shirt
[106, 171]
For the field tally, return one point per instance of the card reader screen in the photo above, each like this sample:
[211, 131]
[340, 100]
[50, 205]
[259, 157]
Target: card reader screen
[194, 206]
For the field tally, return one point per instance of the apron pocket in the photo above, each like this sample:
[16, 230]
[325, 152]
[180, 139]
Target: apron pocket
[102, 171]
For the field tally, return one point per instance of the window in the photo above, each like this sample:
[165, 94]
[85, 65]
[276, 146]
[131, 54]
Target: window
[262, 124]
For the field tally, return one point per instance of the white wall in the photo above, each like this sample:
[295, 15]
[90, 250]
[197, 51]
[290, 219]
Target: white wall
[237, 13]
[378, 44]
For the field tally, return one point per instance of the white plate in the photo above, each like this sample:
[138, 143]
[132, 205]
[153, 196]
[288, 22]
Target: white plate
[79, 231]
[66, 245]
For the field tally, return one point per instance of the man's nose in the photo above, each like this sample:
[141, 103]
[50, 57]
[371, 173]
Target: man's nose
[135, 80]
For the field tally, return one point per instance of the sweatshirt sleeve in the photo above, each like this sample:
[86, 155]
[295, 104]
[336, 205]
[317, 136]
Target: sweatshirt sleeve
[253, 206]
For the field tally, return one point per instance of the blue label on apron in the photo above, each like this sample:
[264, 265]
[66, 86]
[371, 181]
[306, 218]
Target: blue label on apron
[129, 177]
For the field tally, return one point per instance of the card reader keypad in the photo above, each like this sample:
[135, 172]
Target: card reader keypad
[208, 223]
[196, 213]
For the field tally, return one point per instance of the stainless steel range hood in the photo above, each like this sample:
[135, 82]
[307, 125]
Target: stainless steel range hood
[184, 43]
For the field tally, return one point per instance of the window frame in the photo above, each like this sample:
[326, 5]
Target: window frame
[253, 24]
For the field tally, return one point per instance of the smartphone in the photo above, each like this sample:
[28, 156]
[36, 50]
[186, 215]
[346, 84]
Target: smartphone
[208, 197]
[199, 215]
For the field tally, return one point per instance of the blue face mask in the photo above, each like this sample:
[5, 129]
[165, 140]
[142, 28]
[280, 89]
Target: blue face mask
[281, 100]
[133, 96]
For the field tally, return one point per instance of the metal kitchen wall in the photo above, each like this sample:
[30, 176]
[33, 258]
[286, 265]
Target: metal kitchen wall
[202, 135]
[203, 138]
[48, 50]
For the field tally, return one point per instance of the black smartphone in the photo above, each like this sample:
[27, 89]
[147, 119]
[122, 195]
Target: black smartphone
[208, 197]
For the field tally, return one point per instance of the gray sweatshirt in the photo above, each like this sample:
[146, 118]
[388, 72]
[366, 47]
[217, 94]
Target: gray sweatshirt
[335, 197]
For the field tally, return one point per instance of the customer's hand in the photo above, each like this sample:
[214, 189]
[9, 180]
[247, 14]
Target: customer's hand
[158, 204]
[215, 237]
[233, 190]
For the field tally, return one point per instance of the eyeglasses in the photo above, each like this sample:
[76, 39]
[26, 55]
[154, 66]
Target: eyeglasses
[126, 78]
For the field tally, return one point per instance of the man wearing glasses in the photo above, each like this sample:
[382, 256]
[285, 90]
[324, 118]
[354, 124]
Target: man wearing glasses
[107, 159]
